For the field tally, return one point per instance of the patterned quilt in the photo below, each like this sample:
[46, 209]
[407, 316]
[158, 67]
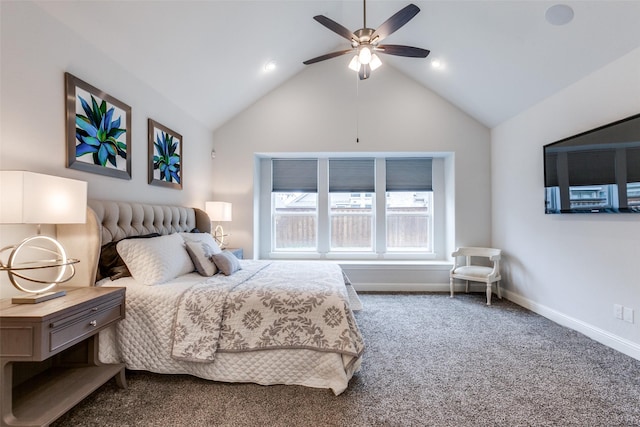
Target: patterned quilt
[279, 305]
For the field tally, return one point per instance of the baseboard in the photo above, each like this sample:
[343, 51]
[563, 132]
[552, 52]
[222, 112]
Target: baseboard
[610, 340]
[416, 287]
[401, 287]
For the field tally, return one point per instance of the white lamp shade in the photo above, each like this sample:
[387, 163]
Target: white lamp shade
[364, 55]
[355, 64]
[218, 211]
[34, 198]
[375, 62]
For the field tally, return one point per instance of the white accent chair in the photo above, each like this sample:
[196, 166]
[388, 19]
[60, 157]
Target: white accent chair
[477, 273]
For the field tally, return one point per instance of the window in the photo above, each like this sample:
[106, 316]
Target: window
[294, 205]
[409, 221]
[409, 204]
[351, 223]
[295, 221]
[351, 204]
[349, 208]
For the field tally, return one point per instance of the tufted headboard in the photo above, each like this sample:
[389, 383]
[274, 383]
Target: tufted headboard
[109, 221]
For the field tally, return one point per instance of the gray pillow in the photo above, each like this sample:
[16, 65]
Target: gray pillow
[201, 253]
[226, 262]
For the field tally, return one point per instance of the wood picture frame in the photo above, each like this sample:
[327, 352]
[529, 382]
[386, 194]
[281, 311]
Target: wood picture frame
[165, 156]
[98, 128]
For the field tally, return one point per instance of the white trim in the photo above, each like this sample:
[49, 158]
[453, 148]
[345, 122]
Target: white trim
[620, 344]
[312, 255]
[474, 287]
[401, 287]
[395, 265]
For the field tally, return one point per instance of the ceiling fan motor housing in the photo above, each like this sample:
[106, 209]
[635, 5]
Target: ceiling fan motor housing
[364, 35]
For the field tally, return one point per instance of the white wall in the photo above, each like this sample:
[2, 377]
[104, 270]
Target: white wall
[36, 51]
[318, 111]
[572, 268]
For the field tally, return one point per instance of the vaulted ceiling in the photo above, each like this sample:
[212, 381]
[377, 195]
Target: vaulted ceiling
[499, 57]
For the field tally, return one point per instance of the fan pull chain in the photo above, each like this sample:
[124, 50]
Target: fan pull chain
[357, 110]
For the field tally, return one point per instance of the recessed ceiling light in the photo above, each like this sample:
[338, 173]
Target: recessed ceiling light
[437, 64]
[559, 14]
[269, 66]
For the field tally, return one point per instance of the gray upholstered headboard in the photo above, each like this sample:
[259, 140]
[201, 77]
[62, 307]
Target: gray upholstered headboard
[109, 221]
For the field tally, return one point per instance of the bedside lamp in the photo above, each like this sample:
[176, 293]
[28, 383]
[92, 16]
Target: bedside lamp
[34, 198]
[218, 212]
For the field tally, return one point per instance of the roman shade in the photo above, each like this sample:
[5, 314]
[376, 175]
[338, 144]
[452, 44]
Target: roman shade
[409, 174]
[294, 176]
[352, 175]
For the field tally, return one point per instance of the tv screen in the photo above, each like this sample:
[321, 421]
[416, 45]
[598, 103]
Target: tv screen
[597, 171]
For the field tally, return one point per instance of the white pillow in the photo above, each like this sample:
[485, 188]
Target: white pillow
[157, 259]
[202, 238]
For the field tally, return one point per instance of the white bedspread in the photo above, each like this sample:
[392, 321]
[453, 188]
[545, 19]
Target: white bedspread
[144, 340]
[267, 306]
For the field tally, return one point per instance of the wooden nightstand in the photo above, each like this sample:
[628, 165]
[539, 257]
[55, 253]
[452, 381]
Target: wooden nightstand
[238, 252]
[49, 353]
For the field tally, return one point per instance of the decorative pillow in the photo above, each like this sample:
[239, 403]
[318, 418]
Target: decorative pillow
[200, 253]
[202, 238]
[155, 260]
[227, 262]
[111, 264]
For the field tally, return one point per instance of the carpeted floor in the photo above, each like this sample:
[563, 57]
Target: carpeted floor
[430, 361]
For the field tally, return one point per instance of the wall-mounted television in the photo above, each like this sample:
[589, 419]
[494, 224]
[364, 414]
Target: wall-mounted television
[597, 171]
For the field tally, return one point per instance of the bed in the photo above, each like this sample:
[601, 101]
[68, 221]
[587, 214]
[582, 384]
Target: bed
[264, 322]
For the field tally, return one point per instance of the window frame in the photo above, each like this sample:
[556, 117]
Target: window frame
[440, 223]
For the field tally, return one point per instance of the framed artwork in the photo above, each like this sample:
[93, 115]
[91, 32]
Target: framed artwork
[98, 130]
[165, 156]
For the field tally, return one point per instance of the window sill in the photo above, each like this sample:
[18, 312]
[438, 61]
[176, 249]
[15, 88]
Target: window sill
[396, 264]
[373, 263]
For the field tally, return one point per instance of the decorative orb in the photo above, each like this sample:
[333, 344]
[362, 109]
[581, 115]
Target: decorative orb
[38, 264]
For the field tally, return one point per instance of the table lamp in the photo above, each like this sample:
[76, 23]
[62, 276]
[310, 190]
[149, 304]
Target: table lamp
[34, 198]
[219, 212]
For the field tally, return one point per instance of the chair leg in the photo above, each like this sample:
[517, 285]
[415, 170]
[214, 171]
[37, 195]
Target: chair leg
[498, 287]
[467, 288]
[451, 286]
[489, 293]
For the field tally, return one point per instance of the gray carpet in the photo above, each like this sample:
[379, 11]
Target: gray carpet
[430, 361]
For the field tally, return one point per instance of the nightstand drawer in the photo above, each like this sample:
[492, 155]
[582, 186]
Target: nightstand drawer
[76, 328]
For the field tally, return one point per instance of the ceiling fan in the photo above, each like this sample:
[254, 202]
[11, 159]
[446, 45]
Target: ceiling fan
[365, 42]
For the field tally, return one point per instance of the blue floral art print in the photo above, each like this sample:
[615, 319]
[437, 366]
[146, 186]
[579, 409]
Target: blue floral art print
[100, 138]
[166, 158]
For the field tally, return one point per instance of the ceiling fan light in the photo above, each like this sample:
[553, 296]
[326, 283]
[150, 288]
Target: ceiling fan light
[364, 55]
[375, 62]
[355, 64]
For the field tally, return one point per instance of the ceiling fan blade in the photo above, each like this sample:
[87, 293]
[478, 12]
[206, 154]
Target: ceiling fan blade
[336, 28]
[400, 50]
[364, 72]
[396, 21]
[326, 56]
